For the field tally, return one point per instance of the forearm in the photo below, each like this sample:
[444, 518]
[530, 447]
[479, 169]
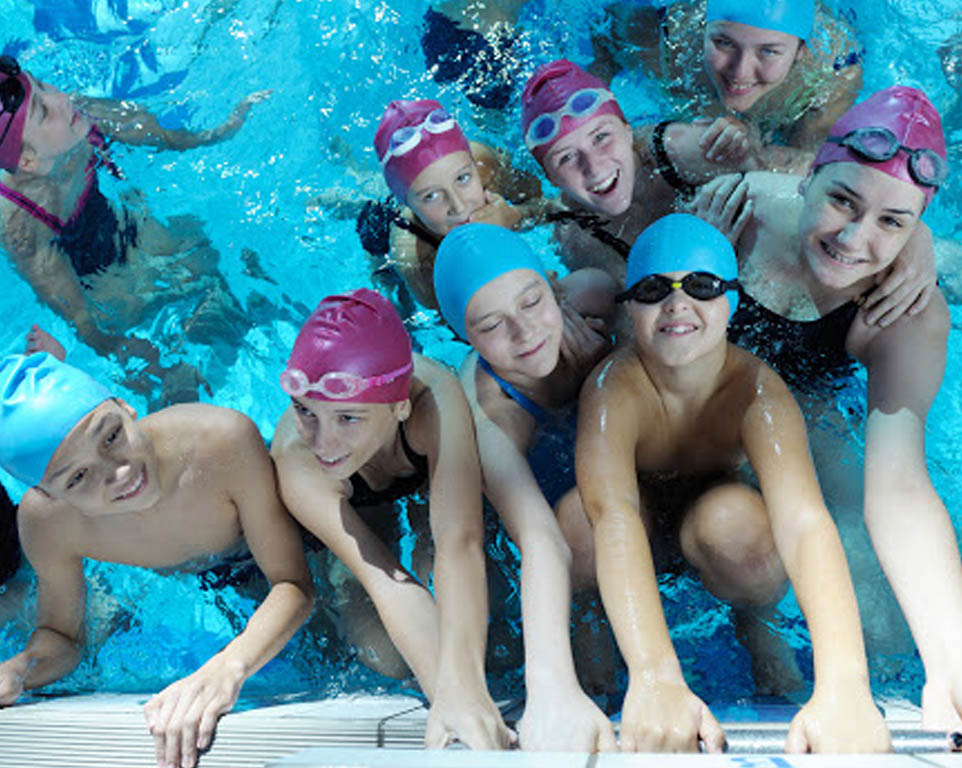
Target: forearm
[49, 656]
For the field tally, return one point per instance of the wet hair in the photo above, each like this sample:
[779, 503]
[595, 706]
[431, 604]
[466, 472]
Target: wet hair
[9, 539]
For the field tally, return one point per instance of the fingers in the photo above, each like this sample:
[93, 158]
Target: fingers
[606, 738]
[724, 140]
[724, 203]
[797, 742]
[711, 733]
[893, 306]
[922, 301]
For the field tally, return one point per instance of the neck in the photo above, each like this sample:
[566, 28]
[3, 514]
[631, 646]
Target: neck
[692, 382]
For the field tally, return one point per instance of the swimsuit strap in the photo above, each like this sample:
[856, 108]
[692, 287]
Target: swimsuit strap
[418, 231]
[594, 225]
[38, 212]
[540, 414]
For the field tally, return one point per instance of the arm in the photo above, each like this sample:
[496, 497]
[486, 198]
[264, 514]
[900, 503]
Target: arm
[660, 712]
[182, 716]
[840, 716]
[503, 184]
[415, 262]
[908, 284]
[461, 705]
[557, 715]
[54, 647]
[909, 525]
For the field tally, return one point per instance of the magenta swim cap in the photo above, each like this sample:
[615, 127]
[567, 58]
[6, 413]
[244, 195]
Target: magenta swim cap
[559, 97]
[353, 348]
[411, 136]
[11, 123]
[905, 112]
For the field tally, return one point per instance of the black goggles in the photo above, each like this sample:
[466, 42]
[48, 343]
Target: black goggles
[12, 92]
[877, 145]
[703, 286]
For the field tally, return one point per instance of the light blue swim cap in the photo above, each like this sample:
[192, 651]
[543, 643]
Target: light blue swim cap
[470, 257]
[41, 400]
[793, 17]
[680, 242]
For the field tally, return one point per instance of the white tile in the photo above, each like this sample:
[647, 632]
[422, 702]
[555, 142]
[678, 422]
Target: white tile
[756, 761]
[943, 761]
[450, 758]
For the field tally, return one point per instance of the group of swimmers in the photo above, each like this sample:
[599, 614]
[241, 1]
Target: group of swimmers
[608, 416]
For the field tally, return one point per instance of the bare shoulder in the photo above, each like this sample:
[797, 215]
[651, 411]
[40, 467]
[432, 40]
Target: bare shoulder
[48, 527]
[618, 377]
[432, 374]
[906, 338]
[204, 433]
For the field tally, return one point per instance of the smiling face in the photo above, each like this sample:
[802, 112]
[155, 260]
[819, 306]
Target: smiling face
[679, 329]
[855, 221]
[446, 193]
[515, 324]
[745, 63]
[52, 128]
[595, 165]
[344, 436]
[106, 464]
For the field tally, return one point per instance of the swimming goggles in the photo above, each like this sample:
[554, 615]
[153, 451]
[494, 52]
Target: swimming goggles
[702, 286]
[406, 138]
[546, 127]
[337, 385]
[12, 92]
[877, 145]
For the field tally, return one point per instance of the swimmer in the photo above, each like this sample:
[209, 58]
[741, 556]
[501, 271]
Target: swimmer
[171, 490]
[369, 424]
[9, 540]
[106, 267]
[444, 181]
[808, 253]
[532, 351]
[763, 81]
[681, 408]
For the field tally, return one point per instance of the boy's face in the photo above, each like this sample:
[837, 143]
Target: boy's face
[447, 193]
[106, 464]
[678, 329]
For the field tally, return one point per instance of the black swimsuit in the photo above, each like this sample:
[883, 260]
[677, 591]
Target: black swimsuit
[594, 225]
[9, 541]
[364, 496]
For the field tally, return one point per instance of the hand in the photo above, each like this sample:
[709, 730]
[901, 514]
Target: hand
[839, 723]
[233, 123]
[942, 705]
[496, 211]
[583, 340]
[11, 683]
[182, 717]
[725, 140]
[38, 340]
[724, 203]
[667, 717]
[471, 719]
[565, 721]
[907, 286]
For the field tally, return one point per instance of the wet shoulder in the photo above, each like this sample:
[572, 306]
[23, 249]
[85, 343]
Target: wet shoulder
[47, 524]
[200, 430]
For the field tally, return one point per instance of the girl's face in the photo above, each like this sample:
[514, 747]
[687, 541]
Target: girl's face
[52, 128]
[747, 62]
[855, 221]
[515, 324]
[447, 193]
[344, 436]
[595, 165]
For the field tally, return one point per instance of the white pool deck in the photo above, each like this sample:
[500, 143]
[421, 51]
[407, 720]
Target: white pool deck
[108, 731]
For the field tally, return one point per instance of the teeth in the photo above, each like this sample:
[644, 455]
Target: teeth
[605, 185]
[130, 491]
[836, 256]
[678, 330]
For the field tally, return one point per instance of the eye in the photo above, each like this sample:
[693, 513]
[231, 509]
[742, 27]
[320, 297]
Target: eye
[348, 418]
[430, 197]
[891, 222]
[464, 178]
[563, 159]
[602, 136]
[722, 42]
[490, 326]
[302, 412]
[76, 478]
[771, 52]
[531, 300]
[111, 437]
[841, 200]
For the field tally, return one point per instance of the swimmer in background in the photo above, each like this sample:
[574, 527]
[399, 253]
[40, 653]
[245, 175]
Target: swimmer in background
[103, 267]
[173, 490]
[761, 83]
[664, 429]
[370, 424]
[811, 248]
[532, 351]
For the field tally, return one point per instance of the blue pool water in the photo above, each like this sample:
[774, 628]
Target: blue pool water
[331, 67]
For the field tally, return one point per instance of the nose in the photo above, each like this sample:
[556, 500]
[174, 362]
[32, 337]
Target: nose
[520, 328]
[324, 442]
[587, 165]
[741, 65]
[676, 300]
[854, 234]
[455, 203]
[121, 473]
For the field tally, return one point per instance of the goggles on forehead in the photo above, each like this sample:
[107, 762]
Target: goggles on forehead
[584, 103]
[406, 138]
[12, 92]
[877, 145]
[337, 385]
[702, 286]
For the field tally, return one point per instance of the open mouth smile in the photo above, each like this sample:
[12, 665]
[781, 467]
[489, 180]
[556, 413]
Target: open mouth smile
[133, 488]
[605, 186]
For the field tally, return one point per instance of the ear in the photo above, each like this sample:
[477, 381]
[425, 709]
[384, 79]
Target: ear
[126, 407]
[28, 160]
[402, 410]
[803, 184]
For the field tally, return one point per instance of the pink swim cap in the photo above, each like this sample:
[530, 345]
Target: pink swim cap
[913, 120]
[353, 348]
[11, 125]
[411, 136]
[561, 91]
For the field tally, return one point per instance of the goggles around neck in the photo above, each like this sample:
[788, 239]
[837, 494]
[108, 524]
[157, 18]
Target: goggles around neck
[702, 286]
[584, 103]
[337, 385]
[406, 138]
[878, 144]
[12, 92]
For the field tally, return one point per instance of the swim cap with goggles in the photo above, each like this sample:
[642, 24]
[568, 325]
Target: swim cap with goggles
[793, 17]
[560, 97]
[41, 400]
[14, 92]
[411, 136]
[897, 131]
[681, 242]
[469, 258]
[353, 348]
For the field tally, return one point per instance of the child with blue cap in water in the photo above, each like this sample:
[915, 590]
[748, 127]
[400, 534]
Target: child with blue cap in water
[665, 425]
[170, 490]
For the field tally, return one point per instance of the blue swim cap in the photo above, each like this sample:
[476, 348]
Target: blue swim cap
[470, 257]
[680, 242]
[41, 400]
[793, 17]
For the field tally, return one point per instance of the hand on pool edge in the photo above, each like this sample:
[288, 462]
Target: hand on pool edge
[664, 716]
[942, 705]
[472, 719]
[839, 722]
[565, 721]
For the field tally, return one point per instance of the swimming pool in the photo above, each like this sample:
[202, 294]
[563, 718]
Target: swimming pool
[332, 66]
